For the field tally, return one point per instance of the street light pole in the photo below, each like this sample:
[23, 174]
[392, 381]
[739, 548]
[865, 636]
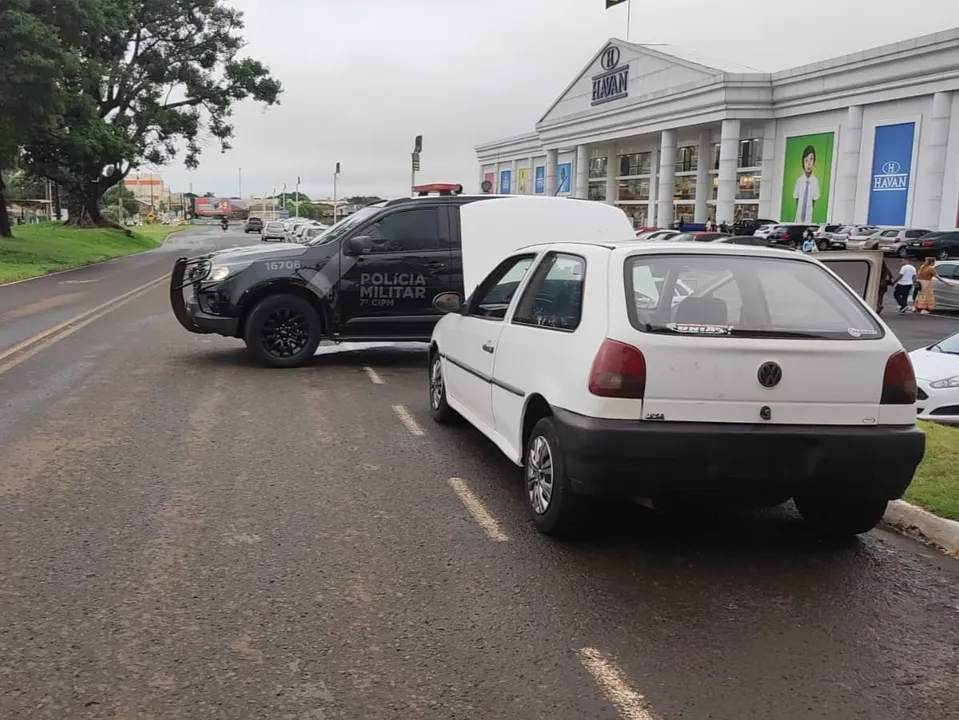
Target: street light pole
[335, 173]
[296, 202]
[415, 160]
[240, 183]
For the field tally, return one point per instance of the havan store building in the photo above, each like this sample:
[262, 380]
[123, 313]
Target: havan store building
[665, 134]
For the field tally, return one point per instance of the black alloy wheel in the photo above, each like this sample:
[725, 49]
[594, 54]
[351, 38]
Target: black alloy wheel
[942, 254]
[283, 331]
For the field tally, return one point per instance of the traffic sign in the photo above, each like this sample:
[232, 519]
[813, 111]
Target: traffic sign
[284, 214]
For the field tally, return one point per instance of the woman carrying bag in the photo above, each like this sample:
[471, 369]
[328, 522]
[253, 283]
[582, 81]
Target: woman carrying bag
[926, 299]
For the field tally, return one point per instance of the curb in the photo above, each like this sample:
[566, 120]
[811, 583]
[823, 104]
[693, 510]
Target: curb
[924, 526]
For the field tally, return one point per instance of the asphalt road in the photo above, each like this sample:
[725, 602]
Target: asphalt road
[185, 536]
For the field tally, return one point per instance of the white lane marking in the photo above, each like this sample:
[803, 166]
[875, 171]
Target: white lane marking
[372, 375]
[408, 420]
[479, 512]
[630, 704]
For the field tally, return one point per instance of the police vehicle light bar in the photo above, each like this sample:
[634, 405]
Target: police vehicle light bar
[438, 188]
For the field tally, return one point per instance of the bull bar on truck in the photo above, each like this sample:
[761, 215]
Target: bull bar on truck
[187, 272]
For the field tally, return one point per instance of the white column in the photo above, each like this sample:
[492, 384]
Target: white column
[766, 209]
[514, 170]
[932, 166]
[653, 186]
[728, 161]
[531, 177]
[612, 170]
[702, 178]
[496, 187]
[552, 159]
[581, 172]
[843, 209]
[667, 179]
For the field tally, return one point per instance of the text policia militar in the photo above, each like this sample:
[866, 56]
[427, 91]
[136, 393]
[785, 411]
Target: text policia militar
[384, 289]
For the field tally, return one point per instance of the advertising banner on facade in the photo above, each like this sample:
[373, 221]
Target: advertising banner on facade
[206, 206]
[491, 179]
[540, 186]
[807, 177]
[891, 173]
[522, 181]
[505, 177]
[564, 174]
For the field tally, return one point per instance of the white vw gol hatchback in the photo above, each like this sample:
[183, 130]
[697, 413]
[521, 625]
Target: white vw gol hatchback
[766, 378]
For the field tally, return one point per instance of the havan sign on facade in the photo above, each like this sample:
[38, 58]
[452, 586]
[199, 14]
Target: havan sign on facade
[611, 84]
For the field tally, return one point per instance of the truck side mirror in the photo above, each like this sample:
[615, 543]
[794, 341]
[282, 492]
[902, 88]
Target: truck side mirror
[448, 302]
[357, 245]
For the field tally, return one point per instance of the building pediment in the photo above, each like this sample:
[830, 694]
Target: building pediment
[622, 73]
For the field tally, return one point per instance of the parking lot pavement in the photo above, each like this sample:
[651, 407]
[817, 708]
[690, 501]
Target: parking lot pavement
[183, 535]
[916, 331]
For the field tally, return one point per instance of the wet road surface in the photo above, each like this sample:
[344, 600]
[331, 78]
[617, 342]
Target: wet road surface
[183, 535]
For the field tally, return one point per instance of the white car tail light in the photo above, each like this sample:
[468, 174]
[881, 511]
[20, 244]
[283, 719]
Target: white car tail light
[619, 370]
[898, 381]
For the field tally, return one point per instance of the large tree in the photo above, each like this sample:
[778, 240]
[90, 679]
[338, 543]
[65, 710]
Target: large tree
[160, 74]
[32, 62]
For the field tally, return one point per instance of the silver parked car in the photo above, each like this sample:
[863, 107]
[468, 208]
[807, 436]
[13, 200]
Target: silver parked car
[273, 231]
[895, 240]
[862, 237]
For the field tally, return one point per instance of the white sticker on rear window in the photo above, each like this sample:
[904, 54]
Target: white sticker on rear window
[696, 329]
[859, 332]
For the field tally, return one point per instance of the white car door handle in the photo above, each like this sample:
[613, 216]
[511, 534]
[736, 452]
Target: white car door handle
[488, 347]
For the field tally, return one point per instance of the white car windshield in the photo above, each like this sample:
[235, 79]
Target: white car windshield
[743, 296]
[949, 345]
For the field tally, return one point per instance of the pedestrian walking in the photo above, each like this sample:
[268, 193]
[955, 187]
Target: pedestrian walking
[885, 280]
[904, 283]
[926, 299]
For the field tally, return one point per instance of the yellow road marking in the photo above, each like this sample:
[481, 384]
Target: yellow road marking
[478, 510]
[630, 704]
[30, 347]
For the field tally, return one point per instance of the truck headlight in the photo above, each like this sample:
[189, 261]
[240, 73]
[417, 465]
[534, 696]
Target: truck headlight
[219, 273]
[951, 382]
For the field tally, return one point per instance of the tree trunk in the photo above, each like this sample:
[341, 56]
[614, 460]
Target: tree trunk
[84, 206]
[5, 229]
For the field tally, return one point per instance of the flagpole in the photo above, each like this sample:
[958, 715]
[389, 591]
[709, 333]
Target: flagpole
[629, 6]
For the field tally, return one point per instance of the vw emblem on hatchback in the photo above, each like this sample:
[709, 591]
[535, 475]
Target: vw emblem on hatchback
[770, 374]
[610, 57]
[891, 168]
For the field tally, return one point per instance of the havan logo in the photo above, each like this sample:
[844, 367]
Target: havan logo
[612, 83]
[891, 178]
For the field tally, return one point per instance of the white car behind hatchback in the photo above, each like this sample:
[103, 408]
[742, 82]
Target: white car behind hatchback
[766, 378]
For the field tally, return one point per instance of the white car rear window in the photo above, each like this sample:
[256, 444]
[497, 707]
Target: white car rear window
[742, 296]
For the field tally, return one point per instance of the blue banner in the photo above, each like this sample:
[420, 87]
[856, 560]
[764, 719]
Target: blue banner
[564, 177]
[891, 174]
[504, 182]
[541, 179]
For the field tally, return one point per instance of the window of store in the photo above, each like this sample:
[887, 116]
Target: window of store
[639, 214]
[745, 210]
[635, 164]
[685, 188]
[751, 153]
[596, 190]
[597, 168]
[637, 189]
[747, 185]
[714, 153]
[684, 211]
[687, 159]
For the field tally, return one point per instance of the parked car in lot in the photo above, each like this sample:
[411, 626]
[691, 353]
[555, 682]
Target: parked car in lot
[748, 226]
[895, 241]
[940, 245]
[273, 230]
[753, 240]
[658, 235]
[937, 375]
[253, 224]
[862, 237]
[697, 237]
[764, 231]
[771, 380]
[791, 234]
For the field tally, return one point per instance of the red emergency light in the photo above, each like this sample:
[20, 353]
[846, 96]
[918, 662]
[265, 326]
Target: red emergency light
[438, 188]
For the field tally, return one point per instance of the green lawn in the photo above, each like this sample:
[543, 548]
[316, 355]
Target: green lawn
[48, 247]
[936, 485]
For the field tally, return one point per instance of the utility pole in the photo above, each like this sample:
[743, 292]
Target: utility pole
[283, 198]
[240, 183]
[296, 202]
[415, 164]
[336, 172]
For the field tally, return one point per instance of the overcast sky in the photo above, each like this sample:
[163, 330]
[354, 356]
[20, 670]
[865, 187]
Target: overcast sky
[362, 77]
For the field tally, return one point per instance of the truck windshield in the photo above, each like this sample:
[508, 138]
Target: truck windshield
[339, 229]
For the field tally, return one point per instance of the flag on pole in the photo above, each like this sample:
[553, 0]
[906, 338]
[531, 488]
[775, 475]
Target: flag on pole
[614, 3]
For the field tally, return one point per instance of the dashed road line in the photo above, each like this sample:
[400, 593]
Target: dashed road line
[372, 375]
[479, 512]
[629, 703]
[408, 420]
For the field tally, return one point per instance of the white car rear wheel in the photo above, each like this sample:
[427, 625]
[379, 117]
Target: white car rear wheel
[556, 510]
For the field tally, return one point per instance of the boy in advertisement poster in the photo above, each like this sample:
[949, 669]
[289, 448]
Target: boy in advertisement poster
[806, 192]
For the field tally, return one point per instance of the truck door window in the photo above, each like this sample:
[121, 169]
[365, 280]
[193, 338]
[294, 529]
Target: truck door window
[413, 230]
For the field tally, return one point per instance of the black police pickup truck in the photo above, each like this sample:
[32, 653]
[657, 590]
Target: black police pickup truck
[372, 276]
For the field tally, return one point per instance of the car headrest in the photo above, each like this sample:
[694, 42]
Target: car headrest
[704, 311]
